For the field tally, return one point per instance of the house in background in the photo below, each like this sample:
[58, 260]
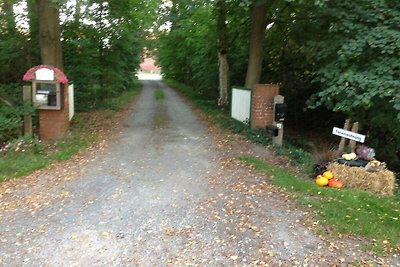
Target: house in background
[148, 65]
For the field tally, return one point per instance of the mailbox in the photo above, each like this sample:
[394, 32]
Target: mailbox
[280, 112]
[272, 130]
[50, 95]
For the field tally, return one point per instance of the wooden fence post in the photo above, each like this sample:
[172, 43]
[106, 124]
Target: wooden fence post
[343, 140]
[352, 143]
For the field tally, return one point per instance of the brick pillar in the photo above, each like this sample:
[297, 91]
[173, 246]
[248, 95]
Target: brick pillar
[54, 124]
[262, 104]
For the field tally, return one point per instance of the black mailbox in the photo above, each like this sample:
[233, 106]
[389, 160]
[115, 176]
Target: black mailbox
[48, 95]
[272, 130]
[280, 112]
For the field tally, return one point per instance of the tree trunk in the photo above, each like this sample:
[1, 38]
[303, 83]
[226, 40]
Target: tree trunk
[50, 37]
[78, 11]
[223, 45]
[101, 27]
[258, 24]
[223, 69]
[33, 55]
[7, 10]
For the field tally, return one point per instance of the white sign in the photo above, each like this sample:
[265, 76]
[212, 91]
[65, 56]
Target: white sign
[71, 101]
[241, 104]
[45, 74]
[349, 135]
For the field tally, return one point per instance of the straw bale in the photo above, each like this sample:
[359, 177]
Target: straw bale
[382, 182]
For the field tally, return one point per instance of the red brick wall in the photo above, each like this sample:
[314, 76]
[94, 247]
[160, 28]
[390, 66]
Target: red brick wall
[54, 124]
[262, 104]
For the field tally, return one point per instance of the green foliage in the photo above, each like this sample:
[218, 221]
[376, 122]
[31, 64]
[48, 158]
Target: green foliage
[11, 114]
[10, 122]
[25, 155]
[298, 156]
[21, 156]
[347, 211]
[101, 58]
[22, 146]
[23, 165]
[257, 136]
[359, 65]
[360, 71]
[187, 52]
[117, 103]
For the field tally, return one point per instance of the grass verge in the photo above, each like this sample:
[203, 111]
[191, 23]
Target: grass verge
[27, 154]
[341, 211]
[159, 95]
[344, 211]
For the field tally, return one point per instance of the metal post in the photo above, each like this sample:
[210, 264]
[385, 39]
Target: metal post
[27, 97]
[278, 140]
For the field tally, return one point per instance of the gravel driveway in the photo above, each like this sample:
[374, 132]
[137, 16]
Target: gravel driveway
[158, 195]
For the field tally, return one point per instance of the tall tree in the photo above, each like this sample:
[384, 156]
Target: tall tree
[7, 9]
[258, 24]
[223, 43]
[193, 61]
[50, 36]
[78, 11]
[33, 54]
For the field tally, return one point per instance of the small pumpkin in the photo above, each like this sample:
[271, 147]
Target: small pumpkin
[350, 156]
[335, 183]
[321, 180]
[328, 175]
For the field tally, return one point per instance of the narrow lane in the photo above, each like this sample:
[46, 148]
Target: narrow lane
[159, 195]
[147, 182]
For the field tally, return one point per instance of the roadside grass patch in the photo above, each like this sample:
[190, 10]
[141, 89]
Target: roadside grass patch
[344, 211]
[159, 95]
[298, 157]
[27, 154]
[15, 166]
[117, 103]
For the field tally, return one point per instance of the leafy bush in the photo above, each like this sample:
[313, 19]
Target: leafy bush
[298, 156]
[10, 122]
[359, 69]
[194, 60]
[24, 145]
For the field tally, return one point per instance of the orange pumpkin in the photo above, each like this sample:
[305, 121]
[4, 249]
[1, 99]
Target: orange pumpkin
[335, 183]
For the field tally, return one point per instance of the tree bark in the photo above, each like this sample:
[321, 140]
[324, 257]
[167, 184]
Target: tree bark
[223, 46]
[78, 11]
[49, 31]
[33, 55]
[256, 53]
[223, 68]
[7, 10]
